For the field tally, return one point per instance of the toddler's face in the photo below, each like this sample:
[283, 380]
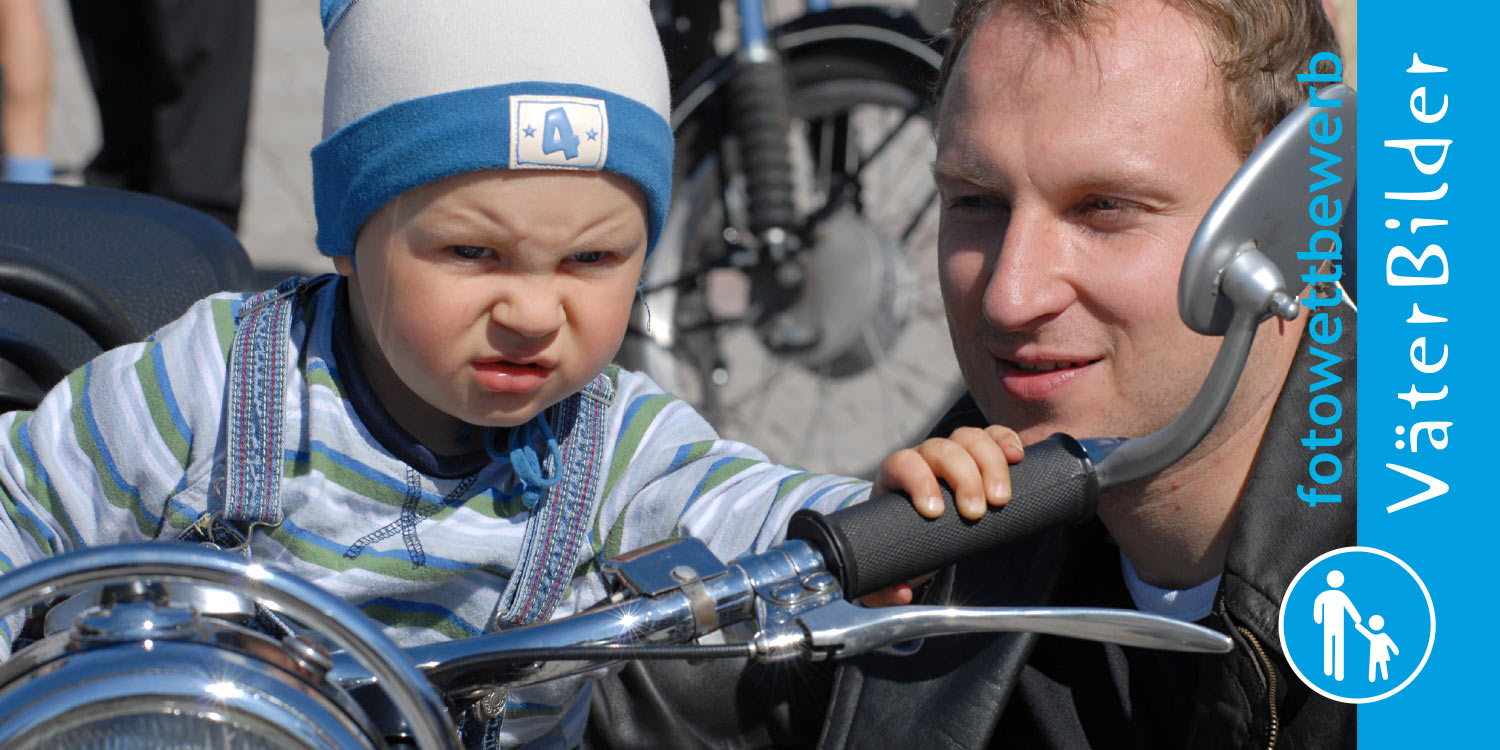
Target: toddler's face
[487, 297]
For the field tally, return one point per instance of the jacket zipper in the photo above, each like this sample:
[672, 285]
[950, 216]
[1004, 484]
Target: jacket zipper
[1270, 681]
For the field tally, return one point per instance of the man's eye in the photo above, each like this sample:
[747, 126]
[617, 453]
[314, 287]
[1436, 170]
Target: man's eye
[1105, 214]
[590, 257]
[469, 252]
[1100, 205]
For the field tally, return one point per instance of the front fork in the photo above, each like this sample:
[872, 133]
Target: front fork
[760, 113]
[761, 117]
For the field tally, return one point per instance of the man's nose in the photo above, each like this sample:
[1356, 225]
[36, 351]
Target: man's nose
[1029, 282]
[529, 310]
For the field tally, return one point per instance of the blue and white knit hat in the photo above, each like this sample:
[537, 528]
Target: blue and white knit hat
[421, 90]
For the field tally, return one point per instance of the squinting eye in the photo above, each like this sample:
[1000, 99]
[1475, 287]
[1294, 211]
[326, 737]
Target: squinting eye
[592, 256]
[469, 252]
[1109, 215]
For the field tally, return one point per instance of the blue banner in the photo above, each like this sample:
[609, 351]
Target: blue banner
[1426, 280]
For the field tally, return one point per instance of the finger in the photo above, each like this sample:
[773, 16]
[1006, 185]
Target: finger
[907, 471]
[892, 597]
[954, 464]
[1009, 442]
[990, 458]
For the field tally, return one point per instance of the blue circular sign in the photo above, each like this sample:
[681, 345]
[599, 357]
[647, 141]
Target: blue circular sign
[1357, 624]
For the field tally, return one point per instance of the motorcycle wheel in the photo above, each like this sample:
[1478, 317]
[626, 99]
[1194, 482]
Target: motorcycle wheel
[714, 329]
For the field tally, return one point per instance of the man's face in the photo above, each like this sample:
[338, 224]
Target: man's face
[487, 297]
[1072, 177]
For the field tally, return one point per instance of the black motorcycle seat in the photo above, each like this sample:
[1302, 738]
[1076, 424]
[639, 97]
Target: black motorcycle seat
[153, 258]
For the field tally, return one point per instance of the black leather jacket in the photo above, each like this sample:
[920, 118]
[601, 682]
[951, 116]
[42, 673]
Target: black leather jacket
[1029, 691]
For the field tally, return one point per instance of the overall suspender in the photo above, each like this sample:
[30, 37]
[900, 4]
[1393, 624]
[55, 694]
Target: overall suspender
[557, 532]
[255, 398]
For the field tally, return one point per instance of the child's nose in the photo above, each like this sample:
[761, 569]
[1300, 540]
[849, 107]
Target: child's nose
[530, 313]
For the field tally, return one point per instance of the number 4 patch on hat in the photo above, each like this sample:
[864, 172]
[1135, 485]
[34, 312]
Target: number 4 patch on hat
[551, 132]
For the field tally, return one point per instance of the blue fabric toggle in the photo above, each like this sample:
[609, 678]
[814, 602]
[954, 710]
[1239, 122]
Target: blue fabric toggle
[522, 458]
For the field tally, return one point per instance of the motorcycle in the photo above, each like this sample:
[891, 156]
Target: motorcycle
[160, 648]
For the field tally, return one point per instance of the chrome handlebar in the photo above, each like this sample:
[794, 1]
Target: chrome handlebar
[796, 607]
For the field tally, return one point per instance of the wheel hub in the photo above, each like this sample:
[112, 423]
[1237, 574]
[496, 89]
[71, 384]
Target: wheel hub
[855, 294]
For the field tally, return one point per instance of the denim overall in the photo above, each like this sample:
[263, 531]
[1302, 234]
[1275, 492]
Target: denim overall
[556, 532]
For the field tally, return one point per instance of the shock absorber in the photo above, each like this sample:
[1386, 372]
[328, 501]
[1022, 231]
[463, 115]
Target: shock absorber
[760, 113]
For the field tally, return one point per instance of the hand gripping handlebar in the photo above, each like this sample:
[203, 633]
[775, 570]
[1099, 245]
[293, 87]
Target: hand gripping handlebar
[883, 541]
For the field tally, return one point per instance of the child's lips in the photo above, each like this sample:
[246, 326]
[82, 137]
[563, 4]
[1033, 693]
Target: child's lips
[505, 376]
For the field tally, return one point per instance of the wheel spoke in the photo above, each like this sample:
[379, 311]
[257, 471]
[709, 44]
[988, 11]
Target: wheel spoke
[762, 396]
[887, 140]
[882, 373]
[822, 143]
[820, 403]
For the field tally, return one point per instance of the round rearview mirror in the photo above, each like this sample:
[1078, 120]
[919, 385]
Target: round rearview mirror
[1300, 175]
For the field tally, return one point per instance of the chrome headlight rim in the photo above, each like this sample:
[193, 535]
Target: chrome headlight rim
[184, 679]
[417, 700]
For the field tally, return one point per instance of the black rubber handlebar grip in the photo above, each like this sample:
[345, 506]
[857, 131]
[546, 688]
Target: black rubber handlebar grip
[883, 541]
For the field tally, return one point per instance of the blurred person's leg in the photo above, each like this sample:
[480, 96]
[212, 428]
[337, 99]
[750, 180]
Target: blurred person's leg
[112, 42]
[26, 67]
[172, 79]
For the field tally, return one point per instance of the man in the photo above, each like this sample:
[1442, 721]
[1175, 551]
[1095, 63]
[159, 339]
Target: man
[1079, 145]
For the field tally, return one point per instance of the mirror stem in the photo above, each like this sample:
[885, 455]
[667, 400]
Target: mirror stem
[1145, 456]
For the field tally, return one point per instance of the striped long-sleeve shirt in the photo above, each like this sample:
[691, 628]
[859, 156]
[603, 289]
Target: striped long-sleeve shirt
[124, 450]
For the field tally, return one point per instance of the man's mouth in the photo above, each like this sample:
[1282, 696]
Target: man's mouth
[1046, 366]
[1038, 380]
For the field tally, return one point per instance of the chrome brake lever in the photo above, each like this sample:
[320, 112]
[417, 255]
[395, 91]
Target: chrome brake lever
[840, 629]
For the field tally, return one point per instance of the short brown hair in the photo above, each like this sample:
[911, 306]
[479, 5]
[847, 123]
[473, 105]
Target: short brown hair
[1259, 47]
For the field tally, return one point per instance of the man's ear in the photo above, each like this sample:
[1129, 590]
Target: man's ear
[344, 264]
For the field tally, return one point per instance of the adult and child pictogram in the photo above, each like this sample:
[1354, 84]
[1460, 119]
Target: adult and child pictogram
[1362, 608]
[1329, 610]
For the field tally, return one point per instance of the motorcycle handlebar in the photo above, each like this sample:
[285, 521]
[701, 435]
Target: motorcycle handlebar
[884, 541]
